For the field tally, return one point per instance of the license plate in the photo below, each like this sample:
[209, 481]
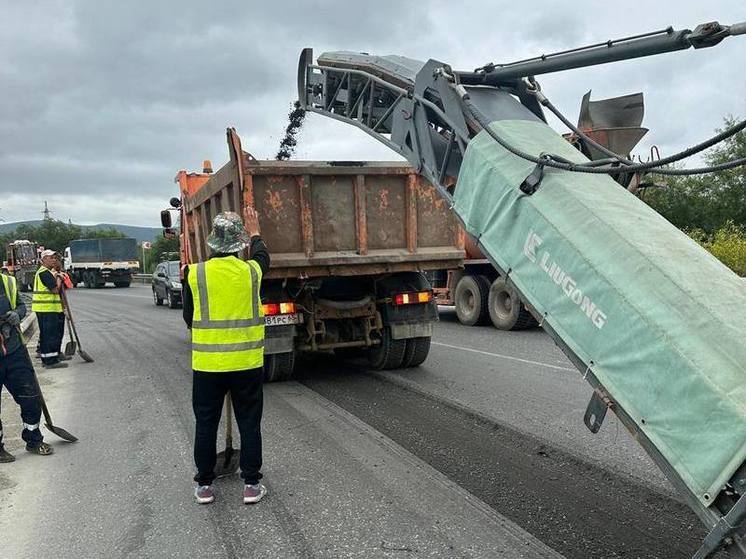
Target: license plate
[282, 319]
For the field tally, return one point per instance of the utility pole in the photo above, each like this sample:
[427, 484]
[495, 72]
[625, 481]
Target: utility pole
[46, 213]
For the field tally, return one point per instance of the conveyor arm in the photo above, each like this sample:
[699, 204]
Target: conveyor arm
[418, 109]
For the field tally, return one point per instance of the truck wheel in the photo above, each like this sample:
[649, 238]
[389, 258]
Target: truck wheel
[157, 300]
[87, 280]
[470, 300]
[506, 309]
[279, 366]
[389, 354]
[416, 352]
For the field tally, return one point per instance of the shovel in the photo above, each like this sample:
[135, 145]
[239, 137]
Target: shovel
[59, 431]
[227, 461]
[71, 347]
[84, 354]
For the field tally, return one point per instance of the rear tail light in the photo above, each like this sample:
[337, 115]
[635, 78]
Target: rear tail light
[413, 298]
[271, 309]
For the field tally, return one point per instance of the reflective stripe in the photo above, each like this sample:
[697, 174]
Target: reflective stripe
[214, 324]
[214, 348]
[30, 427]
[255, 290]
[55, 354]
[204, 303]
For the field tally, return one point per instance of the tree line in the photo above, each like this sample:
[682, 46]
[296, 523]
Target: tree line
[53, 234]
[56, 235]
[710, 208]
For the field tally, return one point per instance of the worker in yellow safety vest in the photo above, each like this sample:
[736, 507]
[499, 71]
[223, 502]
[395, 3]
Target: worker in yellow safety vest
[222, 306]
[16, 372]
[47, 304]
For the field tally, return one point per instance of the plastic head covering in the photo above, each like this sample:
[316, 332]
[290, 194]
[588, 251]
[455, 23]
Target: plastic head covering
[228, 234]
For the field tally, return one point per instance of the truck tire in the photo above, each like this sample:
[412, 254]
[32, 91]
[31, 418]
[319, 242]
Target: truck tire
[121, 284]
[506, 308]
[88, 280]
[173, 303]
[157, 300]
[279, 366]
[470, 300]
[389, 354]
[416, 352]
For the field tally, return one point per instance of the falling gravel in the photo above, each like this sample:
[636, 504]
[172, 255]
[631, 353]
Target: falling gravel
[288, 143]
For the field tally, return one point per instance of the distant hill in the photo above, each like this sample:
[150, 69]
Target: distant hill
[135, 231]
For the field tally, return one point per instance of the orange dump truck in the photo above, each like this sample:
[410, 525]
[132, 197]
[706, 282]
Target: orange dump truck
[349, 243]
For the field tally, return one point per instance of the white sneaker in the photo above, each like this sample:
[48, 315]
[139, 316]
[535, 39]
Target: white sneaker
[253, 493]
[204, 494]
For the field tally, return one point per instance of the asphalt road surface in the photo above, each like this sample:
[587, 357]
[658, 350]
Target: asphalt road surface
[480, 452]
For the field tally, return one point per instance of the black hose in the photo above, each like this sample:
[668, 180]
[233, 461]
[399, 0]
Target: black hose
[549, 160]
[666, 160]
[702, 170]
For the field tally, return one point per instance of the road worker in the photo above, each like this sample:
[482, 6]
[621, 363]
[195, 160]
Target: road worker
[222, 306]
[16, 373]
[47, 304]
[66, 283]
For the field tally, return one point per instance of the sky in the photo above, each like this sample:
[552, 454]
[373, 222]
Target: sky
[102, 102]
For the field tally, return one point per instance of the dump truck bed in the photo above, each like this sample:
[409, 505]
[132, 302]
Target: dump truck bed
[328, 218]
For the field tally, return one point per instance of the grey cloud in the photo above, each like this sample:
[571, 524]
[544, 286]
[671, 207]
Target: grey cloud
[105, 101]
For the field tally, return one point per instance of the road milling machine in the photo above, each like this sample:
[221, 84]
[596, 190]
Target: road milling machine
[617, 286]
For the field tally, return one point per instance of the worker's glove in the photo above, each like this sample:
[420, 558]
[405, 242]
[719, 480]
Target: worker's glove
[12, 318]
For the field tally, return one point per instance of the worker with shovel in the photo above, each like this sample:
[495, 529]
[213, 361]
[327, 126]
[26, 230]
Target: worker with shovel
[47, 304]
[16, 373]
[222, 306]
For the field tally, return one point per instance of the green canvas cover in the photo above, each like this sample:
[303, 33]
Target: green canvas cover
[660, 321]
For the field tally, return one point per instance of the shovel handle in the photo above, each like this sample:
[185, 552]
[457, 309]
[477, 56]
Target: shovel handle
[44, 409]
[70, 316]
[228, 420]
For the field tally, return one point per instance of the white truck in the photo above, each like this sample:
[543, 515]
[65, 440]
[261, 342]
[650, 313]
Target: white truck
[94, 262]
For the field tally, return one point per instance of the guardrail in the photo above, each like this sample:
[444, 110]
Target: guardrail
[142, 278]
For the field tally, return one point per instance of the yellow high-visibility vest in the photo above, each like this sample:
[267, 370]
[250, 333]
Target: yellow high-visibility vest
[228, 322]
[44, 300]
[11, 292]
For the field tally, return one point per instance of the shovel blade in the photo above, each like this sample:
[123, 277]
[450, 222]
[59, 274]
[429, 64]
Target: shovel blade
[227, 463]
[61, 433]
[71, 348]
[86, 357]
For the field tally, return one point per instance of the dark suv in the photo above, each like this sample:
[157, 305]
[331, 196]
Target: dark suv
[167, 283]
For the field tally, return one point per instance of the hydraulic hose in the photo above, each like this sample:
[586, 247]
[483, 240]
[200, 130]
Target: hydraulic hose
[549, 160]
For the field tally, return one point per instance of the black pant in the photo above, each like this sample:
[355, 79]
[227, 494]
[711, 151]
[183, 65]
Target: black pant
[60, 331]
[51, 325]
[208, 394]
[17, 376]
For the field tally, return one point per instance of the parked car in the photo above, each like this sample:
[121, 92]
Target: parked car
[167, 284]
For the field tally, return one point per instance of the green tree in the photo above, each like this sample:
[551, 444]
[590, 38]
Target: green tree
[161, 249]
[54, 234]
[707, 202]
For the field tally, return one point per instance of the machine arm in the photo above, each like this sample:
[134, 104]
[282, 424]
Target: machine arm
[430, 114]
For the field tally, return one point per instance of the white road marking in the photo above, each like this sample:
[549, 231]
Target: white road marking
[509, 357]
